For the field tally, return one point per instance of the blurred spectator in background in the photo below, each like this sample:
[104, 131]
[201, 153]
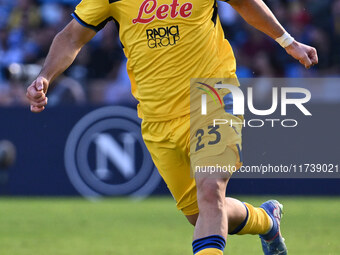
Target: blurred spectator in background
[98, 75]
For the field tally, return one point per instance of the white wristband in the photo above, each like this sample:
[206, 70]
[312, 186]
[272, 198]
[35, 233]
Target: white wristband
[285, 40]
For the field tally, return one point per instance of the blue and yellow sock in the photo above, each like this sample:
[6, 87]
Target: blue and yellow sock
[256, 222]
[210, 245]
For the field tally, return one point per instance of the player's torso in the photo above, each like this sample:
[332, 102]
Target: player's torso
[167, 42]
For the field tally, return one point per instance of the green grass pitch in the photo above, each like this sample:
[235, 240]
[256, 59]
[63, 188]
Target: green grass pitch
[69, 226]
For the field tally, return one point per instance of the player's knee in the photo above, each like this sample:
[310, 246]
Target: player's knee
[211, 193]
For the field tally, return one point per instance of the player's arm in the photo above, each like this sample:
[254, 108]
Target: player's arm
[64, 49]
[257, 14]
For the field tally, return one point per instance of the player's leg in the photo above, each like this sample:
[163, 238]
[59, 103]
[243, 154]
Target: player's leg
[237, 213]
[264, 221]
[168, 152]
[215, 217]
[211, 228]
[220, 145]
[216, 212]
[243, 218]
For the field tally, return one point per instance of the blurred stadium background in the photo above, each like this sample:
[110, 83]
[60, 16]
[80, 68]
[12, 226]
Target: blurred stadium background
[41, 206]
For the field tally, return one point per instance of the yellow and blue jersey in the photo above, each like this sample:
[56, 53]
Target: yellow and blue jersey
[166, 42]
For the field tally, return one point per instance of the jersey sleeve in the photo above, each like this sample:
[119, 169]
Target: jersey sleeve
[93, 14]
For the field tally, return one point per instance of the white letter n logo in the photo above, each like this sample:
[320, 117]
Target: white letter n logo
[109, 149]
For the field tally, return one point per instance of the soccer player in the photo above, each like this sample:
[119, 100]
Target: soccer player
[168, 42]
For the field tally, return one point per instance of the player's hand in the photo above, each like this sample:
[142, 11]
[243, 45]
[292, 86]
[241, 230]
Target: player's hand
[36, 94]
[306, 55]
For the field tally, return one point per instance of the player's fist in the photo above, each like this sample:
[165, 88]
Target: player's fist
[36, 94]
[306, 55]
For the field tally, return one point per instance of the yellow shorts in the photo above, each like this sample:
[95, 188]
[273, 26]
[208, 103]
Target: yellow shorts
[169, 144]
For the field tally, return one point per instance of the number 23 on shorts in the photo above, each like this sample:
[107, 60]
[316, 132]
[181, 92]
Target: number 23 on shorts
[214, 137]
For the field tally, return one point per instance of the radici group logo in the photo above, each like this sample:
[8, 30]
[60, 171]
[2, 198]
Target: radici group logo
[162, 36]
[235, 102]
[105, 155]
